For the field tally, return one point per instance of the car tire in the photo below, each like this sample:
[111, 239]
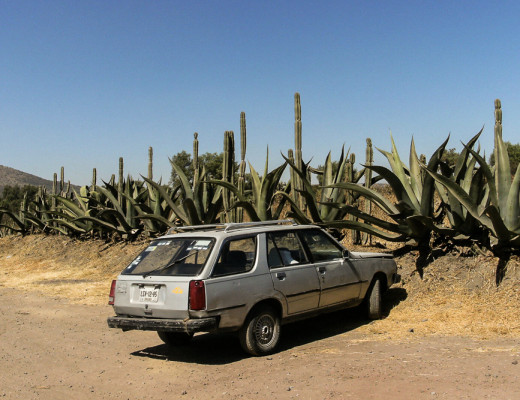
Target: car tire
[260, 333]
[175, 338]
[373, 300]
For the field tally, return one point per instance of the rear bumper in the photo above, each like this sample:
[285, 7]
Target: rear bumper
[160, 324]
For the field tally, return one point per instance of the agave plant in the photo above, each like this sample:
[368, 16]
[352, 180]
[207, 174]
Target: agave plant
[18, 223]
[192, 204]
[263, 192]
[323, 211]
[108, 208]
[470, 179]
[499, 211]
[413, 214]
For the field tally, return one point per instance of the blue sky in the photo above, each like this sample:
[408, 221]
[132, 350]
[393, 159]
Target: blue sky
[83, 83]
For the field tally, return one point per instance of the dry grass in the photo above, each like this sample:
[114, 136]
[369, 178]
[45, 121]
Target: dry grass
[457, 296]
[80, 271]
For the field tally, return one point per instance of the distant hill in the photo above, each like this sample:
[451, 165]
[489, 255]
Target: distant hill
[13, 177]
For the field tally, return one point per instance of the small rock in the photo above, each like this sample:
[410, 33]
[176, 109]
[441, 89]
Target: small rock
[515, 362]
[184, 392]
[411, 330]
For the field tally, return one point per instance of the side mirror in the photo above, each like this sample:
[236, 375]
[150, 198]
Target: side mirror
[346, 253]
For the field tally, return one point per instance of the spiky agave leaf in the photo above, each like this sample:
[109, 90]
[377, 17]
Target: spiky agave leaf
[370, 229]
[463, 198]
[170, 201]
[22, 227]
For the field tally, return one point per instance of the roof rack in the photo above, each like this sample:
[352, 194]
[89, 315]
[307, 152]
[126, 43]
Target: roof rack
[228, 226]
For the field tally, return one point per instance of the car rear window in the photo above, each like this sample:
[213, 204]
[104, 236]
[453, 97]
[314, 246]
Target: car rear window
[172, 257]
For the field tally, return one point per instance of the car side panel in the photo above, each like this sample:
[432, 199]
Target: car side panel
[340, 282]
[369, 267]
[300, 286]
[232, 296]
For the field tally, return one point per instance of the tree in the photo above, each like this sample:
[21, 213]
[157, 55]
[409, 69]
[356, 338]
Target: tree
[212, 162]
[184, 161]
[12, 196]
[450, 157]
[513, 151]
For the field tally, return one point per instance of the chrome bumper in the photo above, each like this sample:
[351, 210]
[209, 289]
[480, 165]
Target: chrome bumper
[161, 324]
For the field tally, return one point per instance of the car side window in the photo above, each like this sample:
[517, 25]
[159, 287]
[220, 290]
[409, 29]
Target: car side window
[236, 256]
[284, 248]
[321, 246]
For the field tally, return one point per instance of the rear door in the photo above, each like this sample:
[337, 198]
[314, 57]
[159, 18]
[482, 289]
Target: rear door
[339, 280]
[292, 273]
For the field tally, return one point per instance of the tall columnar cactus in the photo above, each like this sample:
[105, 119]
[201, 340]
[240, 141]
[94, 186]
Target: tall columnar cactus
[502, 181]
[150, 163]
[112, 180]
[54, 191]
[195, 159]
[351, 199]
[120, 182]
[62, 180]
[298, 161]
[366, 238]
[294, 176]
[94, 180]
[242, 170]
[227, 172]
[350, 176]
[67, 190]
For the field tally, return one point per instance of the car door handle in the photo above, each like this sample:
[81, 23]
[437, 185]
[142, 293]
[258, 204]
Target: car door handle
[281, 276]
[322, 270]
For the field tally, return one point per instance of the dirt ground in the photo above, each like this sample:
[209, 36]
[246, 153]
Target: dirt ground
[451, 335]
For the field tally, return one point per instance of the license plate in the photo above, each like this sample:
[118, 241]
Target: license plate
[148, 294]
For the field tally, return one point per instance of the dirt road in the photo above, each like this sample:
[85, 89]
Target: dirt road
[51, 349]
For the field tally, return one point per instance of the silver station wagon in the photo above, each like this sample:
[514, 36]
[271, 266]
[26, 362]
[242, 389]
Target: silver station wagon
[249, 278]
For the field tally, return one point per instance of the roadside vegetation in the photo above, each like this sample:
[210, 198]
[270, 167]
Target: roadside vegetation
[425, 205]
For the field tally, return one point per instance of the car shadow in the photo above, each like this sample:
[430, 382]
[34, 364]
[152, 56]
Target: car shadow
[219, 349]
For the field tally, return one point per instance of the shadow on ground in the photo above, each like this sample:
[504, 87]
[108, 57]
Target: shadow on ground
[218, 349]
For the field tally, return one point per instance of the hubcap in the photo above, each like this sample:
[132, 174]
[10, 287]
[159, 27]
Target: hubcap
[264, 329]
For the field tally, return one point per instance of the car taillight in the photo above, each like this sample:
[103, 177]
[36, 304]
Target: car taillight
[112, 295]
[197, 295]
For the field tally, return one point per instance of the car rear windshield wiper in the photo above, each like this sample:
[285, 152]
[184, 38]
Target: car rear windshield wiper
[176, 261]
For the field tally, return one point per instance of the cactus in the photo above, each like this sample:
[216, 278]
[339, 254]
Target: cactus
[242, 168]
[120, 182]
[366, 238]
[54, 191]
[351, 199]
[298, 161]
[150, 162]
[499, 213]
[196, 172]
[294, 176]
[94, 180]
[228, 173]
[502, 180]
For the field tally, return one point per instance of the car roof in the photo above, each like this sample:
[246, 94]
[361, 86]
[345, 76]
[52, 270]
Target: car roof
[228, 229]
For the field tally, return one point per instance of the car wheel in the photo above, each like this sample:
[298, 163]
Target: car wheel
[261, 332]
[175, 338]
[374, 306]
